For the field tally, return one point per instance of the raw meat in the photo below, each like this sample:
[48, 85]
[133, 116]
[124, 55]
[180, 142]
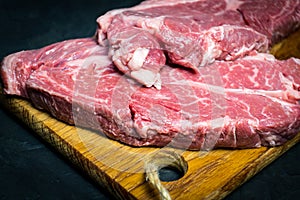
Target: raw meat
[275, 19]
[192, 33]
[17, 67]
[249, 102]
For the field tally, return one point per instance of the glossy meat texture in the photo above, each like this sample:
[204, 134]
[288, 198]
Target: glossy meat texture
[249, 102]
[16, 68]
[192, 33]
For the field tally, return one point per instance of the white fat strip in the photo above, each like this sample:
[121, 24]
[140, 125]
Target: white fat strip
[273, 95]
[271, 139]
[152, 25]
[98, 60]
[157, 83]
[239, 52]
[252, 78]
[218, 123]
[269, 94]
[115, 54]
[151, 4]
[233, 4]
[102, 39]
[260, 57]
[147, 78]
[209, 55]
[212, 50]
[296, 60]
[78, 62]
[50, 51]
[138, 58]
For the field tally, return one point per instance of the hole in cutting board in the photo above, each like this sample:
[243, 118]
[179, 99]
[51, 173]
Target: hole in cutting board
[168, 174]
[170, 166]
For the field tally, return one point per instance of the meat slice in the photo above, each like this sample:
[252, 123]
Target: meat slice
[250, 102]
[238, 104]
[16, 68]
[192, 33]
[275, 19]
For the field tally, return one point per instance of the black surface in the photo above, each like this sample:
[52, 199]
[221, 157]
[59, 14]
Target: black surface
[31, 169]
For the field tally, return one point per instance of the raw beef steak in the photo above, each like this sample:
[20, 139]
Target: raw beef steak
[275, 19]
[249, 102]
[17, 67]
[192, 33]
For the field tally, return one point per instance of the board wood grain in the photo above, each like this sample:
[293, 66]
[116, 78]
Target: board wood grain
[120, 168]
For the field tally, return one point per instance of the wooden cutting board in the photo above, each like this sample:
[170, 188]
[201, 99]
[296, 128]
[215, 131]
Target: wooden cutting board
[120, 168]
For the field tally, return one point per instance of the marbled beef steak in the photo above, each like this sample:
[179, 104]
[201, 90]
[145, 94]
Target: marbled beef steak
[245, 103]
[192, 33]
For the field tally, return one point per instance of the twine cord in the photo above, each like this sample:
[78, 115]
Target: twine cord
[160, 160]
[153, 177]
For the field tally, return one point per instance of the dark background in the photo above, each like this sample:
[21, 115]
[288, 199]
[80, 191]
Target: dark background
[30, 168]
